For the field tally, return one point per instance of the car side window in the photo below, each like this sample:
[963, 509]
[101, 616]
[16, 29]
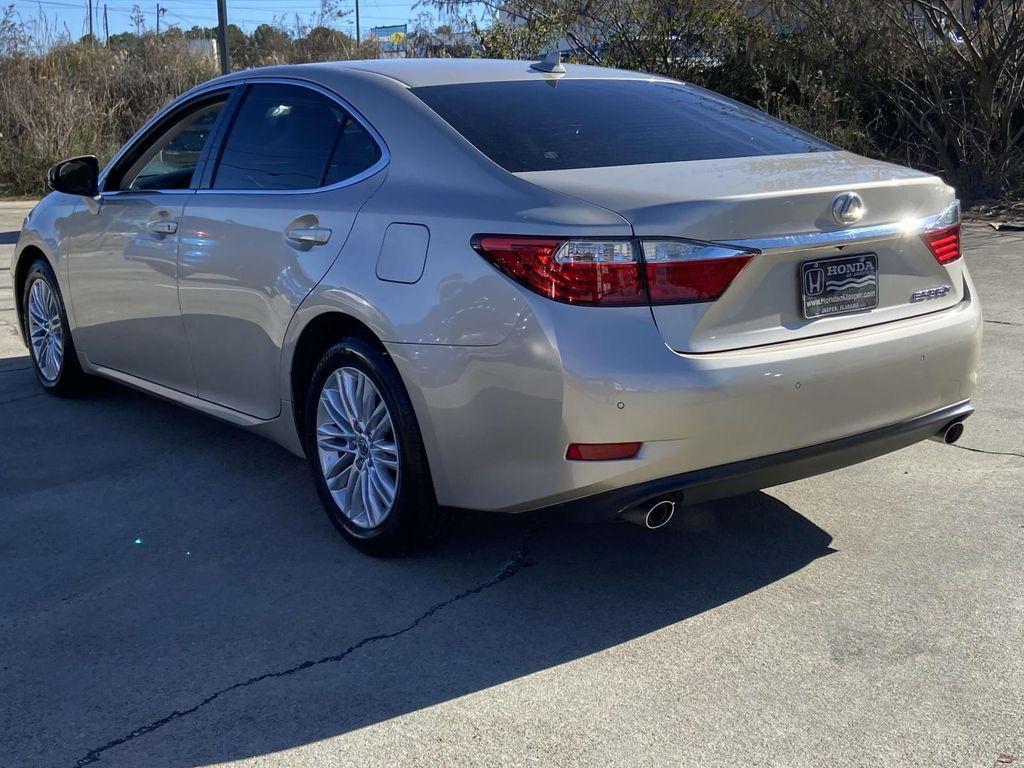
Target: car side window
[355, 152]
[290, 137]
[171, 160]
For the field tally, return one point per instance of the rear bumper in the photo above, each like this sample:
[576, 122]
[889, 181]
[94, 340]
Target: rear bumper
[496, 420]
[766, 471]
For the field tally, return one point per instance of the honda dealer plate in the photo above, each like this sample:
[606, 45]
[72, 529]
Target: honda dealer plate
[840, 285]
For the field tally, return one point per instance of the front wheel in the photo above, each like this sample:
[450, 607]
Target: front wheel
[367, 455]
[54, 359]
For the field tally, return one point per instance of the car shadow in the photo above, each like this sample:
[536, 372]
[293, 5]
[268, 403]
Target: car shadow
[171, 593]
[9, 238]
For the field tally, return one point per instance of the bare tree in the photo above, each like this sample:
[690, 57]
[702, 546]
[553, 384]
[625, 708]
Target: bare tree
[953, 72]
[138, 20]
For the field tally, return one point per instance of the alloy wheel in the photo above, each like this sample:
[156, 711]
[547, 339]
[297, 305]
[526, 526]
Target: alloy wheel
[46, 331]
[356, 446]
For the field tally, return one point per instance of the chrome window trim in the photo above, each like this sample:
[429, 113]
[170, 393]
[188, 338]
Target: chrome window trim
[949, 216]
[203, 90]
[136, 192]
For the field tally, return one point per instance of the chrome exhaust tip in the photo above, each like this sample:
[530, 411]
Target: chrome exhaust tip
[652, 517]
[950, 433]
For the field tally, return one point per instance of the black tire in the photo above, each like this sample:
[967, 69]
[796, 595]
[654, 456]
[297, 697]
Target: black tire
[71, 380]
[414, 520]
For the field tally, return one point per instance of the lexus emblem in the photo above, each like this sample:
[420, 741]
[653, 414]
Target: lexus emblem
[848, 208]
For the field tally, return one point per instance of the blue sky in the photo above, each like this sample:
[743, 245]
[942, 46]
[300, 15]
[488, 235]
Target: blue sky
[248, 14]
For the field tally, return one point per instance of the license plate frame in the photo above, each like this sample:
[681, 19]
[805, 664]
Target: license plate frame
[838, 285]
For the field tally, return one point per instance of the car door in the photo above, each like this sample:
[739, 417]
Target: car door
[292, 171]
[123, 251]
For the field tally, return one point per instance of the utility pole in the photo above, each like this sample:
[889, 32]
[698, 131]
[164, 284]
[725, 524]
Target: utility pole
[158, 19]
[222, 35]
[357, 24]
[106, 26]
[90, 20]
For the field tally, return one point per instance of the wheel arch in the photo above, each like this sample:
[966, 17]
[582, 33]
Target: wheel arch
[319, 333]
[26, 258]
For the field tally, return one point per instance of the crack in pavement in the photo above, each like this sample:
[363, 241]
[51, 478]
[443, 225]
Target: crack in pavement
[515, 564]
[1003, 322]
[990, 453]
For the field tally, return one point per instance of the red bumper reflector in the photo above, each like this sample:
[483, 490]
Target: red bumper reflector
[602, 451]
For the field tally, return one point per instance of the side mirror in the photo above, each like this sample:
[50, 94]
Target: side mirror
[77, 176]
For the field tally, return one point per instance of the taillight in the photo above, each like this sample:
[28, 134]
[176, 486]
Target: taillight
[944, 244]
[588, 272]
[608, 272]
[942, 235]
[679, 271]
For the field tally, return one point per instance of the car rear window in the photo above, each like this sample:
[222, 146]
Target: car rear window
[550, 125]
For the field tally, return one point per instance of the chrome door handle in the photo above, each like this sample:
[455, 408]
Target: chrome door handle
[162, 226]
[308, 235]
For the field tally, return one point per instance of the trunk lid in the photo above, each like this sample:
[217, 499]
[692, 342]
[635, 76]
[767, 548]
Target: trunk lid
[781, 205]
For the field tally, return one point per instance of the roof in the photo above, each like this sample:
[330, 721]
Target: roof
[422, 72]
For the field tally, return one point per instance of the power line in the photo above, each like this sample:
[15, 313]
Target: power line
[199, 13]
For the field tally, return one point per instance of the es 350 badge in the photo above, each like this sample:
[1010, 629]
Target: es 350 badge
[930, 293]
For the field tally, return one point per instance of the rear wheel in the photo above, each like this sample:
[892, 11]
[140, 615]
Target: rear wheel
[54, 359]
[367, 455]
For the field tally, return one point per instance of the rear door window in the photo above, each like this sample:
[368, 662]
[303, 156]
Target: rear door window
[291, 137]
[549, 125]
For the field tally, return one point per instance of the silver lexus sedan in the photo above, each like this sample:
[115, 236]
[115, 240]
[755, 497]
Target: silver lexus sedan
[493, 285]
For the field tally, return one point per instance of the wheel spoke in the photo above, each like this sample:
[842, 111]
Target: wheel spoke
[382, 428]
[354, 502]
[358, 390]
[384, 459]
[349, 398]
[383, 485]
[387, 447]
[337, 470]
[366, 497]
[330, 401]
[332, 437]
[53, 363]
[379, 412]
[36, 312]
[367, 401]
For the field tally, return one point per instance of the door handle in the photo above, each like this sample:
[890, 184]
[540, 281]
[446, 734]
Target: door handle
[308, 235]
[162, 226]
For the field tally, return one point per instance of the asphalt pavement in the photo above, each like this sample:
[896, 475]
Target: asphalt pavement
[171, 594]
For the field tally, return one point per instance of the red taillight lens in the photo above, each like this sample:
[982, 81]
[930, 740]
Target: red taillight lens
[944, 243]
[608, 272]
[592, 273]
[679, 271]
[602, 451]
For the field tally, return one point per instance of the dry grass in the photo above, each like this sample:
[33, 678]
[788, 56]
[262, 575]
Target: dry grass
[81, 99]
